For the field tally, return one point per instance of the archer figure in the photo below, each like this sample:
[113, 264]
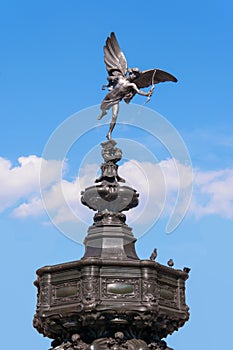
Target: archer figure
[125, 83]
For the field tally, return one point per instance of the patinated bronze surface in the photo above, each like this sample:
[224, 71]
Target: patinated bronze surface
[109, 236]
[125, 83]
[110, 299]
[98, 297]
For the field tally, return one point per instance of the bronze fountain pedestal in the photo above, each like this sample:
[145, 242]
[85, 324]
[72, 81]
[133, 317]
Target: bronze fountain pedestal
[110, 299]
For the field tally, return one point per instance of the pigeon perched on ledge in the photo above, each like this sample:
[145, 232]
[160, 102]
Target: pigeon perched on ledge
[153, 255]
[170, 262]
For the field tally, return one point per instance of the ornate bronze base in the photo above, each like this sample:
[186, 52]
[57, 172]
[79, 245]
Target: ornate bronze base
[117, 342]
[110, 299]
[97, 298]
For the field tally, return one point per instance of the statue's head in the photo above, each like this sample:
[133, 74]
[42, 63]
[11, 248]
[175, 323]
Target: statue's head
[133, 70]
[133, 73]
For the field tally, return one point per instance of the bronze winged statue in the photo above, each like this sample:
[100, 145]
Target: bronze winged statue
[125, 83]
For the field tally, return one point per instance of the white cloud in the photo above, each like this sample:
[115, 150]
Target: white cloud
[61, 198]
[20, 189]
[21, 182]
[32, 208]
[213, 194]
[158, 185]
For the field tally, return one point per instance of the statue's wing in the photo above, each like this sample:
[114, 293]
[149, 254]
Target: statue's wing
[147, 78]
[114, 57]
[153, 76]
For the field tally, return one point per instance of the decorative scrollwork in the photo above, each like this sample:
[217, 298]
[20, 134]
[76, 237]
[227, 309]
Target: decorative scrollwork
[118, 342]
[90, 292]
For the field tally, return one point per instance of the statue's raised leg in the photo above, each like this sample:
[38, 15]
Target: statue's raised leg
[102, 115]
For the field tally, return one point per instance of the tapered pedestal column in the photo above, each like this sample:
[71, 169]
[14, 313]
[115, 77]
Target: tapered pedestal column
[109, 237]
[110, 242]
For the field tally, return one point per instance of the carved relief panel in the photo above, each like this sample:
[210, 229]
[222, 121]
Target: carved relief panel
[120, 288]
[66, 292]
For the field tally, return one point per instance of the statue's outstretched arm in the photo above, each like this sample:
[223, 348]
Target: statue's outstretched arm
[140, 92]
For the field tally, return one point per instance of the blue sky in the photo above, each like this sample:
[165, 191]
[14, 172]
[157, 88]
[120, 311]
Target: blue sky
[51, 67]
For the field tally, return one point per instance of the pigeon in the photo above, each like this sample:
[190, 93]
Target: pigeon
[170, 262]
[154, 254]
[186, 269]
